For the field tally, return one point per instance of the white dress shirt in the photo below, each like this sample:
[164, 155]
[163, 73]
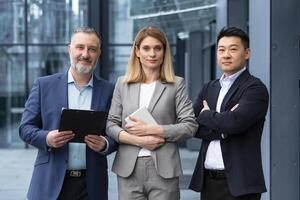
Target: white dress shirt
[146, 93]
[214, 158]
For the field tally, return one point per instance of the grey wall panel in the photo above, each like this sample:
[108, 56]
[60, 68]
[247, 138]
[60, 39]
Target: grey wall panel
[221, 19]
[237, 13]
[285, 65]
[194, 74]
[259, 65]
[207, 71]
[194, 71]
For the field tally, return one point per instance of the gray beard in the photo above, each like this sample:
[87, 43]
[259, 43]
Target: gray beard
[83, 69]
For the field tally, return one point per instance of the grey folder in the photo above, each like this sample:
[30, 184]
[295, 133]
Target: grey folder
[82, 123]
[143, 114]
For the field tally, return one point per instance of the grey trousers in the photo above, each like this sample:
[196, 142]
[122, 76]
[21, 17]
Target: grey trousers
[145, 183]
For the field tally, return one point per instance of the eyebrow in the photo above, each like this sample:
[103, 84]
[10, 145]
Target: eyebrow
[232, 45]
[80, 44]
[155, 45]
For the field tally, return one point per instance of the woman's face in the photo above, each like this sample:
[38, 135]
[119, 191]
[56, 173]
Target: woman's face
[150, 53]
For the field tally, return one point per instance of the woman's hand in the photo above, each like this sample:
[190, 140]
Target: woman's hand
[139, 128]
[136, 127]
[149, 142]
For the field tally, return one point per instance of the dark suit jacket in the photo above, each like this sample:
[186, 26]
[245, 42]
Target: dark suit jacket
[41, 115]
[242, 129]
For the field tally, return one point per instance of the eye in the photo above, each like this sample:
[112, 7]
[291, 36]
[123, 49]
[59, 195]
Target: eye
[146, 48]
[79, 47]
[221, 50]
[93, 50]
[157, 48]
[233, 49]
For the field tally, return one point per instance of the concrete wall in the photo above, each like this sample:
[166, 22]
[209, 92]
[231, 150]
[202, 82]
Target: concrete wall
[259, 65]
[284, 73]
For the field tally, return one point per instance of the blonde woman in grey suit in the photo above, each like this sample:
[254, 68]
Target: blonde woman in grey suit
[147, 162]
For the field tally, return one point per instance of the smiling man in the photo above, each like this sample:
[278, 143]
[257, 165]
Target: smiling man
[65, 170]
[231, 113]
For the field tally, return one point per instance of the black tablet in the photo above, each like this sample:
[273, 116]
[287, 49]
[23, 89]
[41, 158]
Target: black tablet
[82, 123]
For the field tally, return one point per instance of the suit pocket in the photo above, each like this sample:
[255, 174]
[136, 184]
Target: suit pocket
[42, 159]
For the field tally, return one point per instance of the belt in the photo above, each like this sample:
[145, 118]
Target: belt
[75, 173]
[215, 174]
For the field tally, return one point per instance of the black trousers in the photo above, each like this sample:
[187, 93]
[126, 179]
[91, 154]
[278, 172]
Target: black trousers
[74, 188]
[216, 188]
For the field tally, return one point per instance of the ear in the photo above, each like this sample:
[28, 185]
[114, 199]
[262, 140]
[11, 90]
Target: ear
[137, 51]
[248, 53]
[99, 53]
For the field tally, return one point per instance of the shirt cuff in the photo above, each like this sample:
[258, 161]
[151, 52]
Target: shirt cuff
[104, 151]
[49, 147]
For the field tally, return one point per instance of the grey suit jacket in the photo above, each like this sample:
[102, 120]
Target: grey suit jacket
[171, 108]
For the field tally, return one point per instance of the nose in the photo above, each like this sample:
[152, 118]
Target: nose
[152, 53]
[85, 53]
[227, 53]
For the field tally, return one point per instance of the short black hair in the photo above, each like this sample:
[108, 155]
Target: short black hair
[234, 31]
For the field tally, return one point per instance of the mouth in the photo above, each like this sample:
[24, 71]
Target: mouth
[226, 63]
[85, 61]
[152, 61]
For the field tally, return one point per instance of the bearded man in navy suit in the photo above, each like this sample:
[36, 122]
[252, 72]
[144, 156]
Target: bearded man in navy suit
[231, 113]
[65, 170]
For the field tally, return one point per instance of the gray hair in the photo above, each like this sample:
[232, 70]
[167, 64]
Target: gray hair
[86, 29]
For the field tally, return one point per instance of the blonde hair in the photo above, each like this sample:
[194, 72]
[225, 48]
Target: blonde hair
[135, 73]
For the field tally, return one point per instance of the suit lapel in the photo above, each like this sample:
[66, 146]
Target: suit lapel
[212, 98]
[234, 88]
[134, 92]
[97, 92]
[159, 88]
[62, 97]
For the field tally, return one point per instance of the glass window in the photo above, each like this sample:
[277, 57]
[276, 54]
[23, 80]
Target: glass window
[12, 92]
[12, 21]
[120, 21]
[120, 41]
[53, 21]
[118, 56]
[46, 60]
[176, 18]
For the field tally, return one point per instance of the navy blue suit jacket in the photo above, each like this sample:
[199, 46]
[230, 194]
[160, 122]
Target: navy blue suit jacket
[242, 130]
[41, 115]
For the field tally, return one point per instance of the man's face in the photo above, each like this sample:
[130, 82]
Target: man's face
[84, 51]
[232, 54]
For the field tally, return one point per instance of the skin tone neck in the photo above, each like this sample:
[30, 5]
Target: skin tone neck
[151, 74]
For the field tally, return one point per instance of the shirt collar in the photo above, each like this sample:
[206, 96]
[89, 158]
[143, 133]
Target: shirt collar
[71, 79]
[228, 80]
